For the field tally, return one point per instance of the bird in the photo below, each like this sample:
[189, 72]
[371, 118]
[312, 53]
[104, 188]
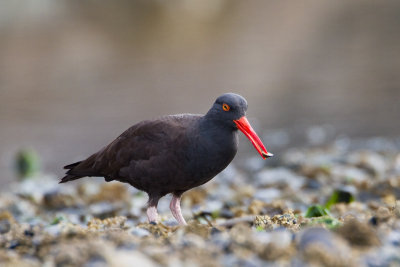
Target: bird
[172, 154]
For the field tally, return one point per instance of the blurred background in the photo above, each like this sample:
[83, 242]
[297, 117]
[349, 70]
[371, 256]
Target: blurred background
[76, 74]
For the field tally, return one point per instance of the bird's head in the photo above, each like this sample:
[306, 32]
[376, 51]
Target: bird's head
[230, 110]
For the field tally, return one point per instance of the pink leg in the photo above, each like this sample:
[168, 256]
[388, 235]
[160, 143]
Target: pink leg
[175, 207]
[152, 214]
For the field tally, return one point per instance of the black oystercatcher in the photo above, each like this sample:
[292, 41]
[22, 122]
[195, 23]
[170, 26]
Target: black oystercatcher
[172, 154]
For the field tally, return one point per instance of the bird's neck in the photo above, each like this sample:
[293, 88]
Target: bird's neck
[217, 136]
[213, 126]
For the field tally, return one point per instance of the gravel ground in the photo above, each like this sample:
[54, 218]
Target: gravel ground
[332, 205]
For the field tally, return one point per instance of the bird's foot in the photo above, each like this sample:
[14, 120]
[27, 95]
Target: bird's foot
[175, 207]
[152, 214]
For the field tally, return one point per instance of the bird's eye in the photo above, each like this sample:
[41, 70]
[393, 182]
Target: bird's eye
[226, 107]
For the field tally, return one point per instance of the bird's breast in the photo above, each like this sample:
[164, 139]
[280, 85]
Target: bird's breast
[209, 154]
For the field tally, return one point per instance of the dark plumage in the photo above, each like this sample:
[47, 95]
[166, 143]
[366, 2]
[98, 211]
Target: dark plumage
[172, 154]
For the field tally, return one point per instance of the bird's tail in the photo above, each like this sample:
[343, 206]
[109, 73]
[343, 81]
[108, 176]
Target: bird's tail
[70, 176]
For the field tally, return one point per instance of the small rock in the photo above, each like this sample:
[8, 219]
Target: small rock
[53, 230]
[226, 213]
[315, 235]
[222, 240]
[57, 200]
[268, 194]
[29, 233]
[396, 164]
[275, 244]
[14, 244]
[359, 234]
[350, 174]
[321, 247]
[128, 258]
[202, 230]
[287, 220]
[279, 177]
[104, 209]
[256, 207]
[394, 238]
[370, 161]
[5, 226]
[113, 223]
[139, 232]
[383, 214]
[263, 222]
[280, 237]
[111, 192]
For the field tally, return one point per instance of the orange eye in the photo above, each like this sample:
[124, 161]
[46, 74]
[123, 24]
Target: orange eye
[226, 107]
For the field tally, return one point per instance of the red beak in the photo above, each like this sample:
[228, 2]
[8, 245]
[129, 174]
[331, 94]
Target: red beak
[244, 126]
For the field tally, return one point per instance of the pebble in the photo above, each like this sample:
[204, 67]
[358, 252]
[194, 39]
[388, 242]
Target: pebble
[139, 232]
[279, 177]
[394, 238]
[370, 161]
[317, 235]
[280, 237]
[268, 194]
[359, 233]
[103, 209]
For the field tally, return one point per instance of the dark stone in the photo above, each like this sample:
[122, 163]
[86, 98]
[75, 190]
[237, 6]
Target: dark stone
[313, 184]
[226, 213]
[14, 244]
[373, 221]
[215, 231]
[29, 233]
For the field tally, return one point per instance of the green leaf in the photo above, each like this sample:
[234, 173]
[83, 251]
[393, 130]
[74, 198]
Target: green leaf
[215, 214]
[316, 211]
[57, 220]
[259, 228]
[339, 196]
